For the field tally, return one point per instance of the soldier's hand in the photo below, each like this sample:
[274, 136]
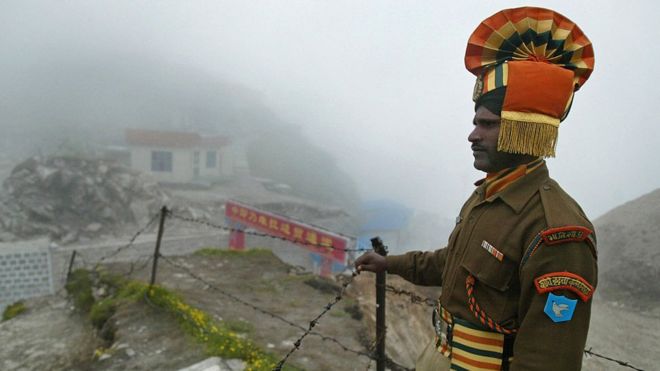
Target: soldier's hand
[371, 262]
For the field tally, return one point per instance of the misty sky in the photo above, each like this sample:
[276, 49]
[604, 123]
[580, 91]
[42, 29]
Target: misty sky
[380, 84]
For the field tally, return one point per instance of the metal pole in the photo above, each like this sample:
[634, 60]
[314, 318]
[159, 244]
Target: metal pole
[381, 330]
[163, 214]
[73, 258]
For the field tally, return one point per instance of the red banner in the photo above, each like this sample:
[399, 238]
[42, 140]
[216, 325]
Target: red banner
[327, 244]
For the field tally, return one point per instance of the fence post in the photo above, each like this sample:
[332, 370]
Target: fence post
[381, 329]
[163, 214]
[73, 258]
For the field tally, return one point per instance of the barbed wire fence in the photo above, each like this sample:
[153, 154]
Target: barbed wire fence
[259, 234]
[137, 265]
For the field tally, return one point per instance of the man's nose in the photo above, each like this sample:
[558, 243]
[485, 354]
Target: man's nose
[475, 135]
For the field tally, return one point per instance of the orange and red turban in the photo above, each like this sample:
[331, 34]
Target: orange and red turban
[539, 58]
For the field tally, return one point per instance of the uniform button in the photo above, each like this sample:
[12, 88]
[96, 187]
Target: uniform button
[546, 187]
[459, 219]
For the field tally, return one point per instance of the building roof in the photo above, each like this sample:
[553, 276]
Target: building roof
[177, 139]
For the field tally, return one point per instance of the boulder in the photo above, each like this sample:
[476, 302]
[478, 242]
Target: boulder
[69, 198]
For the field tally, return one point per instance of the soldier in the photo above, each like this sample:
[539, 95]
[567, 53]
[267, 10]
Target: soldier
[519, 269]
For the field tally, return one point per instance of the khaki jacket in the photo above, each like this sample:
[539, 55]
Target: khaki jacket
[509, 243]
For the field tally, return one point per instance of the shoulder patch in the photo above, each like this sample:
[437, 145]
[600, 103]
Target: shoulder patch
[569, 233]
[564, 281]
[559, 308]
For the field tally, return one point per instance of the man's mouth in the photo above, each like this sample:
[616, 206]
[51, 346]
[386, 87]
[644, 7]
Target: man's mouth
[477, 149]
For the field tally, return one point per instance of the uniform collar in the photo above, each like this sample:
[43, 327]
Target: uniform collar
[520, 192]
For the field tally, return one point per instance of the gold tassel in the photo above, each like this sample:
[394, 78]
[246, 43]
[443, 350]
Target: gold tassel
[530, 138]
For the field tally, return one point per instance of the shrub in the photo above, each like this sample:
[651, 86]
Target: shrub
[354, 310]
[13, 310]
[101, 312]
[79, 287]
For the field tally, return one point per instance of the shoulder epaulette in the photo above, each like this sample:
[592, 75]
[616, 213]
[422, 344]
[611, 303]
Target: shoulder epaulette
[560, 208]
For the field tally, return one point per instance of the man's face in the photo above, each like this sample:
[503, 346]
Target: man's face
[484, 144]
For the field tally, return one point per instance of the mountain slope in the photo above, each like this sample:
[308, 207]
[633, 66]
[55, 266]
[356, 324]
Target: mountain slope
[629, 258]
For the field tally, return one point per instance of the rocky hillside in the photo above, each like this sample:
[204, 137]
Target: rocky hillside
[66, 198]
[629, 258]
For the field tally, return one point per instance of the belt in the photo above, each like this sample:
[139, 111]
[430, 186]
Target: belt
[468, 345]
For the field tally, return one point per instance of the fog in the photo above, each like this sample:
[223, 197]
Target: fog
[379, 85]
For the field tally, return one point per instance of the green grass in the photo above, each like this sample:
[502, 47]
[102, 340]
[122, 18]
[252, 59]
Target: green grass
[221, 338]
[79, 287]
[13, 310]
[102, 311]
[239, 326]
[297, 278]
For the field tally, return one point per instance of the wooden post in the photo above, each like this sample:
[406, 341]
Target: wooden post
[161, 226]
[381, 329]
[73, 258]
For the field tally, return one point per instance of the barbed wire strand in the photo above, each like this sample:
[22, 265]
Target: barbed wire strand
[136, 266]
[314, 322]
[263, 311]
[372, 350]
[259, 234]
[414, 298]
[130, 243]
[622, 363]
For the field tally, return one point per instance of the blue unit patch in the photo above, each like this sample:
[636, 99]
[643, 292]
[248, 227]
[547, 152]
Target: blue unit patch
[559, 308]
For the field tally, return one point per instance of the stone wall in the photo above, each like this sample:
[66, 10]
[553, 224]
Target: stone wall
[25, 272]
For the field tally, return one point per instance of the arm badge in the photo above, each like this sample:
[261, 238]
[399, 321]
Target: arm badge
[570, 233]
[564, 281]
[559, 308]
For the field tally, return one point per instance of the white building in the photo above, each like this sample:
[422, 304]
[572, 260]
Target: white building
[180, 157]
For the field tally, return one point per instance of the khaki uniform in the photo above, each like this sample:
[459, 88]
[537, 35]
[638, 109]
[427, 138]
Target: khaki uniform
[509, 243]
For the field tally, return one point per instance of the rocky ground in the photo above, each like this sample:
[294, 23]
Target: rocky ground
[53, 336]
[48, 336]
[146, 338]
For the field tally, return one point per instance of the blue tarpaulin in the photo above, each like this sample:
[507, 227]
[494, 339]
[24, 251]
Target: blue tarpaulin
[384, 215]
